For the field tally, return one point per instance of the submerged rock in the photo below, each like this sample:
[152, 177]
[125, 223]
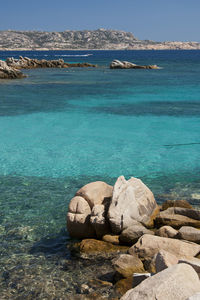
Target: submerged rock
[117, 64]
[90, 248]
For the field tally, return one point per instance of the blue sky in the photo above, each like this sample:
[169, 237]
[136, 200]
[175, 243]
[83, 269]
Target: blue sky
[158, 20]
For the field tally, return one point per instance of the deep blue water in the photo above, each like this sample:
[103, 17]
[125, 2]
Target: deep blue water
[62, 128]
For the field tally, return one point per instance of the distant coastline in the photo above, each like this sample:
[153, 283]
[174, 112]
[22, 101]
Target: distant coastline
[85, 40]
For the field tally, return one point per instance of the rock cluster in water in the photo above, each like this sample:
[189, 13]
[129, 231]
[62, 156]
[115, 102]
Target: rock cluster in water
[9, 69]
[125, 223]
[7, 72]
[30, 63]
[117, 64]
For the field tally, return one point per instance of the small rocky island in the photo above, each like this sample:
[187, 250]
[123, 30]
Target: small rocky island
[117, 64]
[9, 69]
[154, 250]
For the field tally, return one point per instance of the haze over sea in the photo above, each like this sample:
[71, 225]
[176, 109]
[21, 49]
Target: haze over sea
[62, 128]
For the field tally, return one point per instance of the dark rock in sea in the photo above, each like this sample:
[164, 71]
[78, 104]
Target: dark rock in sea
[117, 64]
[8, 72]
[29, 63]
[94, 249]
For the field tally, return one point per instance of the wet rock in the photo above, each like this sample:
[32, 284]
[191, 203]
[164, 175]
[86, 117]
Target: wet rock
[7, 72]
[111, 238]
[132, 201]
[164, 259]
[125, 265]
[78, 218]
[123, 285]
[131, 234]
[176, 282]
[149, 245]
[166, 231]
[90, 248]
[176, 203]
[189, 233]
[116, 64]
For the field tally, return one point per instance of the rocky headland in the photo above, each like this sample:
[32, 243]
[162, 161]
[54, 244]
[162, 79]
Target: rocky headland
[100, 39]
[154, 250]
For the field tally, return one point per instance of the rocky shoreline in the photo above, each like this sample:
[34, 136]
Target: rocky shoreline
[154, 250]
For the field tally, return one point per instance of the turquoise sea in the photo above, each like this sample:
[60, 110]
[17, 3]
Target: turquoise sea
[62, 128]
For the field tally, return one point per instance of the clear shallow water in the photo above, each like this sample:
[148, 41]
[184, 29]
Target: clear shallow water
[62, 128]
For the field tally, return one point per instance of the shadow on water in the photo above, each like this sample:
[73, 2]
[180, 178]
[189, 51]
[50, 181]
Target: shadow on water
[52, 245]
[157, 108]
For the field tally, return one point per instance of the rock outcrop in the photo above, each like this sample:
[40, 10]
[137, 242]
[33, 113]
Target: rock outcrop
[113, 210]
[7, 72]
[117, 64]
[30, 63]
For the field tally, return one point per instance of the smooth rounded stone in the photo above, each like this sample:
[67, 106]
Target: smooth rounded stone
[176, 282]
[148, 245]
[125, 265]
[194, 297]
[189, 233]
[78, 218]
[111, 238]
[131, 234]
[97, 192]
[98, 220]
[132, 201]
[176, 203]
[164, 259]
[90, 248]
[193, 262]
[7, 72]
[166, 231]
[171, 218]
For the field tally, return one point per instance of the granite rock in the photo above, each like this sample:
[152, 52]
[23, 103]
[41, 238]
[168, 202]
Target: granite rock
[149, 245]
[176, 282]
[132, 201]
[131, 234]
[189, 233]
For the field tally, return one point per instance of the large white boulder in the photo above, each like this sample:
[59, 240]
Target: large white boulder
[177, 282]
[132, 201]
